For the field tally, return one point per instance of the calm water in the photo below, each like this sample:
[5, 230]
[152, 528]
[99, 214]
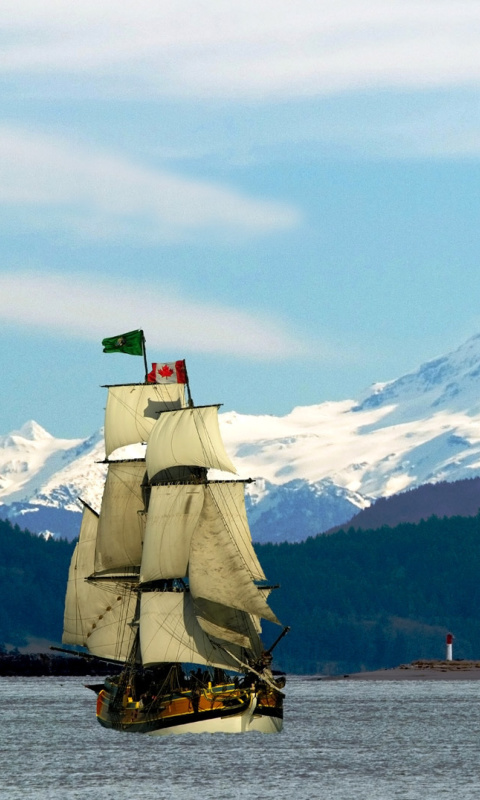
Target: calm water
[342, 741]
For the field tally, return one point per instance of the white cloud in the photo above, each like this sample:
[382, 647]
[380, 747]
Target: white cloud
[89, 308]
[244, 48]
[56, 184]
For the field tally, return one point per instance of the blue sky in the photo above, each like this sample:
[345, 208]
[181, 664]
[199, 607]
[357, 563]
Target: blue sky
[287, 195]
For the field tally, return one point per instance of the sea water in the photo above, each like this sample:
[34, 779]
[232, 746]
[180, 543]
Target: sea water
[342, 740]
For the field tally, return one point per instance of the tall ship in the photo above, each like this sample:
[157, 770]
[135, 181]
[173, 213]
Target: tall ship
[164, 580]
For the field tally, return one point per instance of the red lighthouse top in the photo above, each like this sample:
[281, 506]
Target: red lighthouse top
[449, 638]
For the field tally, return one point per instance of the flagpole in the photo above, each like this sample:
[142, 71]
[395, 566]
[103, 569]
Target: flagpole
[144, 357]
[190, 400]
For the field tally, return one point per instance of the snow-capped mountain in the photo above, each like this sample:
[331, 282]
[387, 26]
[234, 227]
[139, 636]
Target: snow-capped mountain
[41, 478]
[315, 467]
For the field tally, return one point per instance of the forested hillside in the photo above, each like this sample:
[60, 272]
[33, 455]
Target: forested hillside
[33, 578]
[354, 600]
[370, 599]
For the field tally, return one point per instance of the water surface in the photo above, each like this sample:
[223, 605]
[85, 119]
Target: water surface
[342, 741]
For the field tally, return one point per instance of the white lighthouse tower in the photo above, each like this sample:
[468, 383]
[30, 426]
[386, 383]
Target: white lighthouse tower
[449, 646]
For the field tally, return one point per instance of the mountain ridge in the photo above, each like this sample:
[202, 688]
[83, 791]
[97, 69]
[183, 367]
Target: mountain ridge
[316, 467]
[443, 500]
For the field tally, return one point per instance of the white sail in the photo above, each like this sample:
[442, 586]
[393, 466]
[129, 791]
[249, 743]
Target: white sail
[122, 522]
[110, 634]
[217, 569]
[173, 513]
[229, 498]
[190, 437]
[96, 615]
[229, 625]
[169, 632]
[133, 409]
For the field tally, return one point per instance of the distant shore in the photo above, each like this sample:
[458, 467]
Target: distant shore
[43, 664]
[425, 670]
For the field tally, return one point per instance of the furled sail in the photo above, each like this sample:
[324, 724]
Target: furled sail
[217, 568]
[190, 436]
[169, 632]
[97, 616]
[122, 521]
[133, 409]
[173, 513]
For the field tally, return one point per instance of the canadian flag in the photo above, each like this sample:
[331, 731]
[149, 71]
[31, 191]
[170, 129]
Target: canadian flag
[169, 372]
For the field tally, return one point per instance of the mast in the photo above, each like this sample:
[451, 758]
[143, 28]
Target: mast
[167, 572]
[187, 384]
[144, 351]
[198, 578]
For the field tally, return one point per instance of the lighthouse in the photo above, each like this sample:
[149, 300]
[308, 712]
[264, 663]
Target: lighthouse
[449, 646]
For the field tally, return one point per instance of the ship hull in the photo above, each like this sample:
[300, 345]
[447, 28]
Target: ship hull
[220, 709]
[237, 723]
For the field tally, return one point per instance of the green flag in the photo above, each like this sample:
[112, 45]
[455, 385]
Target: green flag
[131, 343]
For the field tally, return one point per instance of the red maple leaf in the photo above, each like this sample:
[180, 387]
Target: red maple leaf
[165, 372]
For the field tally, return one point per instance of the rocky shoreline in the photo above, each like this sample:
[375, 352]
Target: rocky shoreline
[419, 670]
